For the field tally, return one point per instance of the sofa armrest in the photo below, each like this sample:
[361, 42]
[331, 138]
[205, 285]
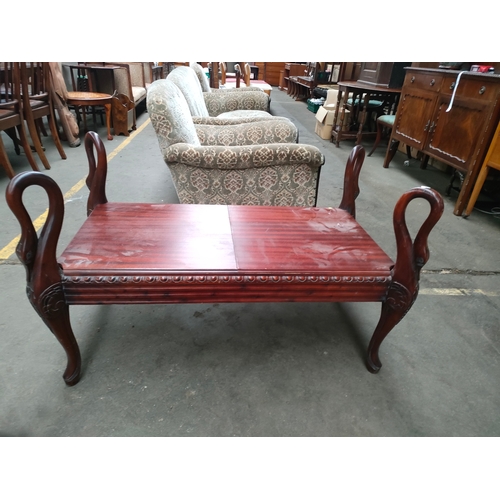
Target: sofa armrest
[223, 102]
[244, 157]
[258, 132]
[235, 120]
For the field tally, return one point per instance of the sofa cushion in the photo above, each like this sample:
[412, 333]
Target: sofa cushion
[170, 115]
[187, 81]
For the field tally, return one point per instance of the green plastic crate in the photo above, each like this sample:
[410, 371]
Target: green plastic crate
[312, 107]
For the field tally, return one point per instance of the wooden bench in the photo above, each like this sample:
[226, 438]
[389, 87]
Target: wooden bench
[128, 253]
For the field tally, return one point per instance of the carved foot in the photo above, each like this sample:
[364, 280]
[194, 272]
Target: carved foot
[374, 364]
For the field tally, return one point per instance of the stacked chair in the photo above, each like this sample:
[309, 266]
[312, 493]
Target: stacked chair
[11, 116]
[26, 97]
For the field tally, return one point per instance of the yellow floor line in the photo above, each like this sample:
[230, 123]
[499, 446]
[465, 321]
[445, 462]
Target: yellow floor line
[458, 292]
[10, 249]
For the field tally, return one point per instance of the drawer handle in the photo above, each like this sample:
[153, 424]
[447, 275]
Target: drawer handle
[412, 79]
[452, 85]
[427, 126]
[432, 82]
[482, 90]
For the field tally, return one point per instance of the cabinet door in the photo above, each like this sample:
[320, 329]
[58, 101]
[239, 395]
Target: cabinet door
[454, 136]
[413, 118]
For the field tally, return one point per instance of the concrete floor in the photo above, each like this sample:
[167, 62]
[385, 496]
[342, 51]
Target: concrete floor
[260, 369]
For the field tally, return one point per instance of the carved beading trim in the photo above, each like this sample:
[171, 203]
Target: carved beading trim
[220, 279]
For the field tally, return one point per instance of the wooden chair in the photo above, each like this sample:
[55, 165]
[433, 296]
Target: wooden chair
[385, 122]
[37, 103]
[11, 116]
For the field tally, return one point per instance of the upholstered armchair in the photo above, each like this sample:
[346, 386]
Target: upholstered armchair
[224, 169]
[252, 104]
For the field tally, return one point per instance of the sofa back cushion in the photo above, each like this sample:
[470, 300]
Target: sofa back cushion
[185, 78]
[202, 77]
[170, 115]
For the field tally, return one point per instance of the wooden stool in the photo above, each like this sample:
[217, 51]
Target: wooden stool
[81, 99]
[492, 160]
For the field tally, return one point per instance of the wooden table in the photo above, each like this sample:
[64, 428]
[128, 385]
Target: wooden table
[139, 253]
[363, 92]
[81, 99]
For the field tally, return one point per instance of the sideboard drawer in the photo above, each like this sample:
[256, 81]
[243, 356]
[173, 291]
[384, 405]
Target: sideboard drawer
[426, 81]
[470, 87]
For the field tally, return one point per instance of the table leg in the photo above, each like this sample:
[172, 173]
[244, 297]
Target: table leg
[362, 118]
[107, 108]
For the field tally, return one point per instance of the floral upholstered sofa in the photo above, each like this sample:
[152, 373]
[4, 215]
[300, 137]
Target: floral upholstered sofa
[231, 165]
[230, 104]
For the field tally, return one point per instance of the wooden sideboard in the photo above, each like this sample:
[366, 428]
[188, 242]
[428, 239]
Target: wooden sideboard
[290, 69]
[270, 72]
[459, 136]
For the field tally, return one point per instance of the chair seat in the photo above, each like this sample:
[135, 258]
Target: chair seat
[5, 113]
[371, 103]
[387, 120]
[244, 113]
[138, 93]
[37, 104]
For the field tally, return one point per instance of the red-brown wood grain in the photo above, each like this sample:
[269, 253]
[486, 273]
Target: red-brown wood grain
[128, 253]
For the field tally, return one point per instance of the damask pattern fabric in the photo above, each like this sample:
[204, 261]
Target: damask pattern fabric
[253, 103]
[277, 175]
[233, 164]
[200, 74]
[264, 132]
[187, 81]
[170, 115]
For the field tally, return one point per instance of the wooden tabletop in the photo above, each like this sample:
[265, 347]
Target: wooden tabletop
[354, 84]
[88, 96]
[130, 238]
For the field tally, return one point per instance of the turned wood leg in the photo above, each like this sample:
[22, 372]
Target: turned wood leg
[398, 303]
[52, 308]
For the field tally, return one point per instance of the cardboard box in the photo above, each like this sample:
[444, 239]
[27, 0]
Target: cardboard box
[325, 115]
[324, 122]
[324, 131]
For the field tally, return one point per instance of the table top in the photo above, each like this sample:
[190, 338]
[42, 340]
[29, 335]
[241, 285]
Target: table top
[88, 96]
[354, 84]
[131, 238]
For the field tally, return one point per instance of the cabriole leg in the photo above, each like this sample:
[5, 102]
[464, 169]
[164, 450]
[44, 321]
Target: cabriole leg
[52, 308]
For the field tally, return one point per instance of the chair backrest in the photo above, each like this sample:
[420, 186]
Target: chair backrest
[202, 77]
[245, 73]
[170, 115]
[10, 86]
[185, 78]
